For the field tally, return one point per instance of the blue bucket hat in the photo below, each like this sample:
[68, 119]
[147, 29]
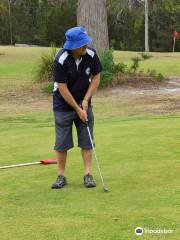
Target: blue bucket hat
[76, 37]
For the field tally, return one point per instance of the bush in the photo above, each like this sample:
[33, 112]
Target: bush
[44, 71]
[135, 64]
[158, 76]
[106, 79]
[110, 69]
[48, 87]
[112, 43]
[145, 56]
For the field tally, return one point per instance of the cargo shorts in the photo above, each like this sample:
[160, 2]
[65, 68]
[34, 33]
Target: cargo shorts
[63, 130]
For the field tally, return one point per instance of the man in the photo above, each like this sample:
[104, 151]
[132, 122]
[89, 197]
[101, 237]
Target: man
[76, 77]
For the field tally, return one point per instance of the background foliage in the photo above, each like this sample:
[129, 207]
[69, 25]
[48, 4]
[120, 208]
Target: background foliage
[44, 22]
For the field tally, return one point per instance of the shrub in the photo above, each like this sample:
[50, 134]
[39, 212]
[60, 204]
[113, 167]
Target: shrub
[157, 76]
[160, 77]
[135, 64]
[145, 56]
[44, 71]
[110, 69]
[47, 87]
[106, 79]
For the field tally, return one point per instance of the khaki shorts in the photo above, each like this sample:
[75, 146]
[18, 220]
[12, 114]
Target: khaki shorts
[63, 128]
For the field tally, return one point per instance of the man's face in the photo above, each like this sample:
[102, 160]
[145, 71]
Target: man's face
[80, 51]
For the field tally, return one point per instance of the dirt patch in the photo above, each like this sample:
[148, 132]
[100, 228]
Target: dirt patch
[148, 99]
[151, 87]
[145, 82]
[32, 99]
[121, 100]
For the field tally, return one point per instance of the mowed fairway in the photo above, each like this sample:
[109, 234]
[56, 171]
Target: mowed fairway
[139, 157]
[165, 63]
[18, 66]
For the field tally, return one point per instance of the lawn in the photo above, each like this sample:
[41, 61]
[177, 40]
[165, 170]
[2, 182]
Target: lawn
[18, 66]
[139, 156]
[165, 63]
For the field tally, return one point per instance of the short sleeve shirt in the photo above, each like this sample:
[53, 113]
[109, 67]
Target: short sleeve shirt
[77, 74]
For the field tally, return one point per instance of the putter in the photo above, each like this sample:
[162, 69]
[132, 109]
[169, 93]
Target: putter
[105, 189]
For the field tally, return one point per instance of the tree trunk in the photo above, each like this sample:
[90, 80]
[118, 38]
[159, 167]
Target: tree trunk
[92, 15]
[146, 26]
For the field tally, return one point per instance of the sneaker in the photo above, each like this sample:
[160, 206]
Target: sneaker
[60, 182]
[88, 181]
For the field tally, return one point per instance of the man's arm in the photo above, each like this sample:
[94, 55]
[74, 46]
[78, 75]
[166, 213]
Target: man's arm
[92, 88]
[70, 100]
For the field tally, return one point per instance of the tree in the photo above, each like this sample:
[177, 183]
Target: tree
[146, 14]
[57, 22]
[93, 15]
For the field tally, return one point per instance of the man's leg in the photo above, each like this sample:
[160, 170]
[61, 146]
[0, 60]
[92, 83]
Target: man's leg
[61, 158]
[87, 158]
[64, 141]
[86, 148]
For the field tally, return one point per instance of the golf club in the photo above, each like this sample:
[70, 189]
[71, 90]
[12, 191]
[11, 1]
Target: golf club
[97, 162]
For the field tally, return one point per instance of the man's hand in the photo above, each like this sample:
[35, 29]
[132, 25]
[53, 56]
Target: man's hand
[85, 105]
[82, 114]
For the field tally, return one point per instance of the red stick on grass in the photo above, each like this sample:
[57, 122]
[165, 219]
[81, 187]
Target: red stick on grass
[44, 162]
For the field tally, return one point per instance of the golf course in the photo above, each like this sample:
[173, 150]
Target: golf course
[137, 136]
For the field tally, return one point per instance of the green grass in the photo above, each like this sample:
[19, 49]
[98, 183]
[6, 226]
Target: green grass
[139, 157]
[18, 66]
[165, 63]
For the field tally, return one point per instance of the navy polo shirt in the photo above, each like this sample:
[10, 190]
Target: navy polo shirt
[76, 73]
